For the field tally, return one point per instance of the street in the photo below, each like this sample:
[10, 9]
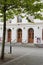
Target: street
[25, 56]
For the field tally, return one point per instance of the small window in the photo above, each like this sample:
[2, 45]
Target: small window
[10, 21]
[19, 18]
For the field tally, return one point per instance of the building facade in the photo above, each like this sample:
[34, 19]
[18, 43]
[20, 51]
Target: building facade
[23, 33]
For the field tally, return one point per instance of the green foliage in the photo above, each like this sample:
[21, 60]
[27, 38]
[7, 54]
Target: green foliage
[39, 16]
[18, 6]
[12, 7]
[32, 7]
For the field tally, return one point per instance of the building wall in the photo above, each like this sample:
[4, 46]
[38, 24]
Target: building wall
[37, 32]
[14, 27]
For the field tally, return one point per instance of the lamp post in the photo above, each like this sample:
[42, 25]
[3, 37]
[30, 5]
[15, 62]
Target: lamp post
[10, 48]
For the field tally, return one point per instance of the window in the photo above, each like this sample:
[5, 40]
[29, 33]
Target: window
[19, 18]
[10, 21]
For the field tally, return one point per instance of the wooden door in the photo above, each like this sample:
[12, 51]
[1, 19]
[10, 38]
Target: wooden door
[30, 35]
[9, 35]
[19, 35]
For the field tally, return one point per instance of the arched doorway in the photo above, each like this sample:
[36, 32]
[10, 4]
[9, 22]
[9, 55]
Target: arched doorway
[19, 35]
[9, 35]
[30, 35]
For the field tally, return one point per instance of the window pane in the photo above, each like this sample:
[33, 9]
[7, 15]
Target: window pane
[19, 19]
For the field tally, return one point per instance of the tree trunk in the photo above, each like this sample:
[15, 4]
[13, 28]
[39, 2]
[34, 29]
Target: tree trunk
[4, 32]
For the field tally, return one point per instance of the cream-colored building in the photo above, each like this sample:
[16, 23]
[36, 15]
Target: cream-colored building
[23, 32]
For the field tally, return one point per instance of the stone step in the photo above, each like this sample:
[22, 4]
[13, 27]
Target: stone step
[39, 45]
[25, 45]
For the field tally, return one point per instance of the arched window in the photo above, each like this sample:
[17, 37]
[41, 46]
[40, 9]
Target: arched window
[19, 19]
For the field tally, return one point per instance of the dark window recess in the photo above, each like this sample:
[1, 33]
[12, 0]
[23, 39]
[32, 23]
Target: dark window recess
[19, 19]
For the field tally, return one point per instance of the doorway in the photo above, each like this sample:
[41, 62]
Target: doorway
[9, 35]
[19, 35]
[30, 35]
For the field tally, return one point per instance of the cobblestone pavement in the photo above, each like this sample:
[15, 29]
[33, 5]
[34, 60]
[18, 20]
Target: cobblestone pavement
[25, 56]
